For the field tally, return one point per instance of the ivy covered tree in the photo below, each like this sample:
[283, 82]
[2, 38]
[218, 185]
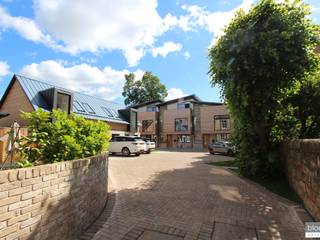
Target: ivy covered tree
[146, 89]
[257, 62]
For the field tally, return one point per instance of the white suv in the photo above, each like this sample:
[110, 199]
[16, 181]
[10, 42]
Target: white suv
[150, 144]
[126, 145]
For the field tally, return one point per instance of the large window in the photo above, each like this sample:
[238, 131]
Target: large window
[181, 124]
[221, 122]
[63, 102]
[147, 125]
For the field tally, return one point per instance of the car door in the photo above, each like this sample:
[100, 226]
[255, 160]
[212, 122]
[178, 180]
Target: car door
[217, 147]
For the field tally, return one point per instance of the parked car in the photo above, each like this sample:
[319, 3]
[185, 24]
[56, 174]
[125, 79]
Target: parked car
[150, 144]
[127, 145]
[223, 147]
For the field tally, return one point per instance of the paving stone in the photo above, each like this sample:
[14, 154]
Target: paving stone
[178, 193]
[151, 235]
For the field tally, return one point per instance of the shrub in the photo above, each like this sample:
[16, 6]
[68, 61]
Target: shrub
[57, 136]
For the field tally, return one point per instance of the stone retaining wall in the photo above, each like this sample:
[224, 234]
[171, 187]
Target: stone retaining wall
[302, 159]
[54, 201]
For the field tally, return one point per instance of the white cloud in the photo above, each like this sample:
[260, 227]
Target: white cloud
[174, 93]
[186, 55]
[166, 48]
[75, 26]
[25, 27]
[4, 69]
[133, 27]
[106, 83]
[214, 22]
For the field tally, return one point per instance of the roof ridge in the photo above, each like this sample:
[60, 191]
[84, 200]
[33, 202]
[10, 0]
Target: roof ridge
[37, 80]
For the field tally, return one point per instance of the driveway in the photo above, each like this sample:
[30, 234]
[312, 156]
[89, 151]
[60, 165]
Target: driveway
[176, 195]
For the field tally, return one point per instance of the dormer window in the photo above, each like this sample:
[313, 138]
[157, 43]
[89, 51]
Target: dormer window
[56, 98]
[64, 102]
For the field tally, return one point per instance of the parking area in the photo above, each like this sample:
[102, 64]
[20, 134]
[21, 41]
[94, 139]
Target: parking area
[176, 195]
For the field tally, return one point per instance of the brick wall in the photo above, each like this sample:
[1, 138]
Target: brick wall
[207, 118]
[302, 158]
[15, 102]
[54, 201]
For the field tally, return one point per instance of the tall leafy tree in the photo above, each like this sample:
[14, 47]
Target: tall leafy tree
[146, 89]
[261, 55]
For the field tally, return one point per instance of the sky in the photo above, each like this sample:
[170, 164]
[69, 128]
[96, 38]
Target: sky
[89, 46]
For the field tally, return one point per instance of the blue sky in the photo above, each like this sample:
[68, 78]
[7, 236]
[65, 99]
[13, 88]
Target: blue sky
[88, 46]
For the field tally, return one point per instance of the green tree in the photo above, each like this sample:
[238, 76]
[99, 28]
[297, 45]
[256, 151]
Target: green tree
[146, 89]
[259, 58]
[305, 103]
[67, 137]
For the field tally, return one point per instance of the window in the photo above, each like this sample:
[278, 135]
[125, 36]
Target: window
[184, 139]
[224, 124]
[63, 102]
[183, 105]
[146, 125]
[88, 108]
[221, 122]
[151, 108]
[114, 113]
[106, 110]
[78, 106]
[181, 124]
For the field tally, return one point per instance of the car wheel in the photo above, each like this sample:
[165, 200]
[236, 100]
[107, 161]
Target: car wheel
[211, 152]
[125, 151]
[137, 154]
[230, 153]
[148, 151]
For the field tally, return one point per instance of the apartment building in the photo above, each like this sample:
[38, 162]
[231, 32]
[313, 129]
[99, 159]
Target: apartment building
[186, 122]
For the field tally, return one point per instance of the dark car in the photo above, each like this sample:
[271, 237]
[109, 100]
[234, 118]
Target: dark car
[222, 147]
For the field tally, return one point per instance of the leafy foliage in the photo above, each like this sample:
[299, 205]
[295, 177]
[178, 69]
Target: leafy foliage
[263, 55]
[146, 89]
[64, 138]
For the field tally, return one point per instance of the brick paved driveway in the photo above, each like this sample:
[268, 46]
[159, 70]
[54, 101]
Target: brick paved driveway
[175, 196]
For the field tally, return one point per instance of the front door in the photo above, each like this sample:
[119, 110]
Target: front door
[169, 141]
[206, 140]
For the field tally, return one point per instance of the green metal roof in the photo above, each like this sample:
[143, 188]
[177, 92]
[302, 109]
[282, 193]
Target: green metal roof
[85, 105]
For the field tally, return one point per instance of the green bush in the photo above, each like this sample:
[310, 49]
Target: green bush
[57, 136]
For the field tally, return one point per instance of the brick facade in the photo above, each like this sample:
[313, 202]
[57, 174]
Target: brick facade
[198, 116]
[302, 159]
[54, 201]
[15, 102]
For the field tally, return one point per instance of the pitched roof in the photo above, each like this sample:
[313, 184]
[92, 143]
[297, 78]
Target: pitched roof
[103, 109]
[193, 97]
[185, 98]
[146, 103]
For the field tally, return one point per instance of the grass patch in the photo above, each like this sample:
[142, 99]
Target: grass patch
[278, 186]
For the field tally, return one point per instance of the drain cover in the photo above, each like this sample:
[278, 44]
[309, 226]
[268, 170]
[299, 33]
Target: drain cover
[151, 235]
[231, 232]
